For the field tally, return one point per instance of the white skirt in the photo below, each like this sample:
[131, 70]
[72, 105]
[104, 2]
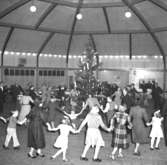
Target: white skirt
[61, 142]
[156, 133]
[94, 137]
[25, 110]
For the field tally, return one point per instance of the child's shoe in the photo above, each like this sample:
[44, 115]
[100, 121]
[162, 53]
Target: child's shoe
[65, 160]
[112, 156]
[16, 148]
[120, 155]
[151, 148]
[5, 147]
[84, 158]
[97, 160]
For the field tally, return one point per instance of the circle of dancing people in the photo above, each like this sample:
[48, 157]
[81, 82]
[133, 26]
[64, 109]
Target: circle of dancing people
[124, 112]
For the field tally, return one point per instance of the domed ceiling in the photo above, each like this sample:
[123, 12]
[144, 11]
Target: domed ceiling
[54, 28]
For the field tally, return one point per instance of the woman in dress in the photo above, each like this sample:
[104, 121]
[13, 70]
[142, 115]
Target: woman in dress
[118, 96]
[36, 138]
[25, 101]
[139, 118]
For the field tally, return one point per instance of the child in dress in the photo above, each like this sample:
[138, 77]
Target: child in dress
[62, 140]
[93, 135]
[156, 131]
[118, 125]
[11, 130]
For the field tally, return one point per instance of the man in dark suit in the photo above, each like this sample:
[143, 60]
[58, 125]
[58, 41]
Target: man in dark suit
[1, 97]
[157, 96]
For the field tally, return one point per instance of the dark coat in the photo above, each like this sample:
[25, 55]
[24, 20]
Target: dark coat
[36, 138]
[164, 114]
[52, 107]
[140, 133]
[1, 100]
[149, 105]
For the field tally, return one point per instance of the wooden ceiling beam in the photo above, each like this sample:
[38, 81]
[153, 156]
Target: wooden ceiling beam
[107, 19]
[91, 5]
[46, 41]
[45, 14]
[73, 29]
[48, 38]
[13, 7]
[6, 43]
[48, 30]
[93, 42]
[160, 4]
[130, 46]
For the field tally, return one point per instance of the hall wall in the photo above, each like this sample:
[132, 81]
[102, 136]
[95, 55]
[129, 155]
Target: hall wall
[119, 69]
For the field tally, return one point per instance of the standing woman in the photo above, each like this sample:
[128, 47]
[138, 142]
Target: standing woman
[139, 118]
[36, 138]
[118, 96]
[25, 101]
[149, 103]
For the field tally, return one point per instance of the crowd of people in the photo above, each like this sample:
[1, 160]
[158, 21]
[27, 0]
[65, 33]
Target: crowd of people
[139, 113]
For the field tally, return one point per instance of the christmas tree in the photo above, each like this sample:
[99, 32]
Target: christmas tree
[86, 81]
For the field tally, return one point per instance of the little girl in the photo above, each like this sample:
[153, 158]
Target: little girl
[62, 140]
[118, 125]
[156, 131]
[93, 135]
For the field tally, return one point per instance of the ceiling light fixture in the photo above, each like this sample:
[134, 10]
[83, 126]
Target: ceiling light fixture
[128, 14]
[33, 8]
[79, 16]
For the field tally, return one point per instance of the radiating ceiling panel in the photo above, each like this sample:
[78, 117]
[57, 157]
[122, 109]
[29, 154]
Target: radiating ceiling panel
[79, 44]
[26, 40]
[162, 37]
[154, 15]
[3, 34]
[93, 20]
[23, 15]
[164, 1]
[112, 44]
[4, 4]
[61, 18]
[118, 21]
[57, 45]
[143, 44]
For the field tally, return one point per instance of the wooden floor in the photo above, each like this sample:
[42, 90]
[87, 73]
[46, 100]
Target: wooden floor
[76, 144]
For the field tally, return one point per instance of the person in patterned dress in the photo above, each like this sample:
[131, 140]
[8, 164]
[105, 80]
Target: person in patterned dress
[118, 125]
